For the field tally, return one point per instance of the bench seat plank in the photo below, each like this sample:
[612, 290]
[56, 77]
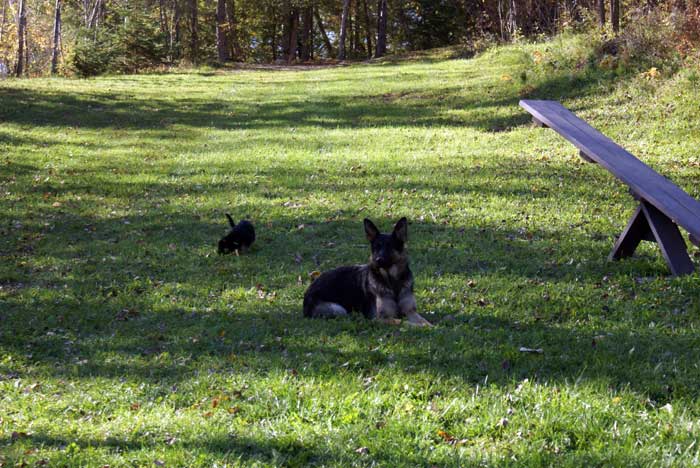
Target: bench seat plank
[656, 189]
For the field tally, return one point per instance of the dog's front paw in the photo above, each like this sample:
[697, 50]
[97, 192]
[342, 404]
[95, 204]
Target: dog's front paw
[417, 320]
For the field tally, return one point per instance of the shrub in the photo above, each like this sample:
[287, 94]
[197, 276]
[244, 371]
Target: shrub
[92, 53]
[129, 42]
[658, 38]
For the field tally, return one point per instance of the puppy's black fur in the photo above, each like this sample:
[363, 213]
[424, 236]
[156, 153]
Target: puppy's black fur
[240, 238]
[381, 289]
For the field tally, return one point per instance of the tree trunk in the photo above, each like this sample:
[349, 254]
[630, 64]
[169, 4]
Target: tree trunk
[56, 37]
[21, 26]
[368, 30]
[500, 20]
[273, 40]
[343, 29]
[194, 40]
[175, 31]
[601, 13]
[326, 41]
[163, 17]
[381, 28]
[4, 19]
[95, 15]
[357, 42]
[232, 30]
[290, 35]
[512, 20]
[615, 15]
[307, 34]
[221, 31]
[272, 13]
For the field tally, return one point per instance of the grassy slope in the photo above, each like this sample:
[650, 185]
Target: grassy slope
[124, 339]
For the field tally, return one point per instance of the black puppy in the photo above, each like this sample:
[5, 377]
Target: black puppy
[241, 237]
[381, 289]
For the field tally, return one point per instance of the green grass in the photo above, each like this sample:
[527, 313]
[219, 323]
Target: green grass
[126, 341]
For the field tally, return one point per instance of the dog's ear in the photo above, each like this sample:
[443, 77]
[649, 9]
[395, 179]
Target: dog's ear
[371, 230]
[401, 230]
[230, 220]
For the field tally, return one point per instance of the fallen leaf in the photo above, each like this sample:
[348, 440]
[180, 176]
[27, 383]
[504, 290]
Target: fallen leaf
[445, 436]
[233, 410]
[135, 406]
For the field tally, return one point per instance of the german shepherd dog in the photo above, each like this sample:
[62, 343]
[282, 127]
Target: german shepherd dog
[381, 289]
[240, 238]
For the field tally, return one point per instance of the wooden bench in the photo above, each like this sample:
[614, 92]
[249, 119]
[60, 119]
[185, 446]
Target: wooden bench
[663, 206]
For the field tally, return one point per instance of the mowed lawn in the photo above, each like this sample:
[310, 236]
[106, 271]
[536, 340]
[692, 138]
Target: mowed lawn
[125, 340]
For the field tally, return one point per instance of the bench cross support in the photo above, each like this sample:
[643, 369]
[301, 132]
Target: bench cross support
[648, 223]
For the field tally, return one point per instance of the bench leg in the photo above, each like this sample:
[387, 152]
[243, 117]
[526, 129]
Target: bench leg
[538, 123]
[585, 157]
[648, 223]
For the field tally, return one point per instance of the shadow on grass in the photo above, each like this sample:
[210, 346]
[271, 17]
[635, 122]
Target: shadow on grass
[416, 107]
[289, 452]
[134, 310]
[82, 276]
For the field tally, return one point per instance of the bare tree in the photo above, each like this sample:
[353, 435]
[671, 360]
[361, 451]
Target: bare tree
[368, 30]
[92, 13]
[56, 37]
[307, 34]
[615, 15]
[163, 17]
[194, 40]
[4, 19]
[356, 41]
[381, 28]
[221, 31]
[21, 27]
[175, 30]
[326, 41]
[232, 29]
[290, 34]
[512, 19]
[343, 29]
[273, 34]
